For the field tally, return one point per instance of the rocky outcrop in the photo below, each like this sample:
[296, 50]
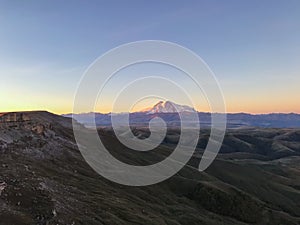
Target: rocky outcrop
[13, 117]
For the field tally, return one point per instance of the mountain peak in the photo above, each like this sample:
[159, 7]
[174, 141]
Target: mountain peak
[168, 107]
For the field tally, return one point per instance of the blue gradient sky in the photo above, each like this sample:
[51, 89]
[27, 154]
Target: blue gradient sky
[253, 47]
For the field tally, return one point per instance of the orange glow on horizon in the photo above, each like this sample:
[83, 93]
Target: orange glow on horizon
[56, 105]
[60, 111]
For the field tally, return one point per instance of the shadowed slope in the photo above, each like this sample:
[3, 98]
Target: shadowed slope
[44, 180]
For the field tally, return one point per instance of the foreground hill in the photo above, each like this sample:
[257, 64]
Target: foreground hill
[45, 180]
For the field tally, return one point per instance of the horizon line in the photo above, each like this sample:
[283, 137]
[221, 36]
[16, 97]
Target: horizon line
[105, 113]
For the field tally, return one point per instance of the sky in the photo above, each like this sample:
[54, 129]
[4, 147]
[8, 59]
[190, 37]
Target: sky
[253, 48]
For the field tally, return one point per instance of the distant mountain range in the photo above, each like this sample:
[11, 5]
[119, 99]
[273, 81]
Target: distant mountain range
[168, 112]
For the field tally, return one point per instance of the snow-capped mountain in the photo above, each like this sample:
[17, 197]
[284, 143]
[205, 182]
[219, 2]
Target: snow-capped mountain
[167, 111]
[168, 107]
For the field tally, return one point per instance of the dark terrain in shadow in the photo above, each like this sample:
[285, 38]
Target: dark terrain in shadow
[45, 180]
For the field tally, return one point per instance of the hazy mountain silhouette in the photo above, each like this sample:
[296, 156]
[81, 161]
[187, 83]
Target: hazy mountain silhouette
[167, 111]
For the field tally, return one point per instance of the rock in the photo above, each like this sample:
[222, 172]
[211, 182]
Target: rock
[3, 185]
[54, 213]
[39, 129]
